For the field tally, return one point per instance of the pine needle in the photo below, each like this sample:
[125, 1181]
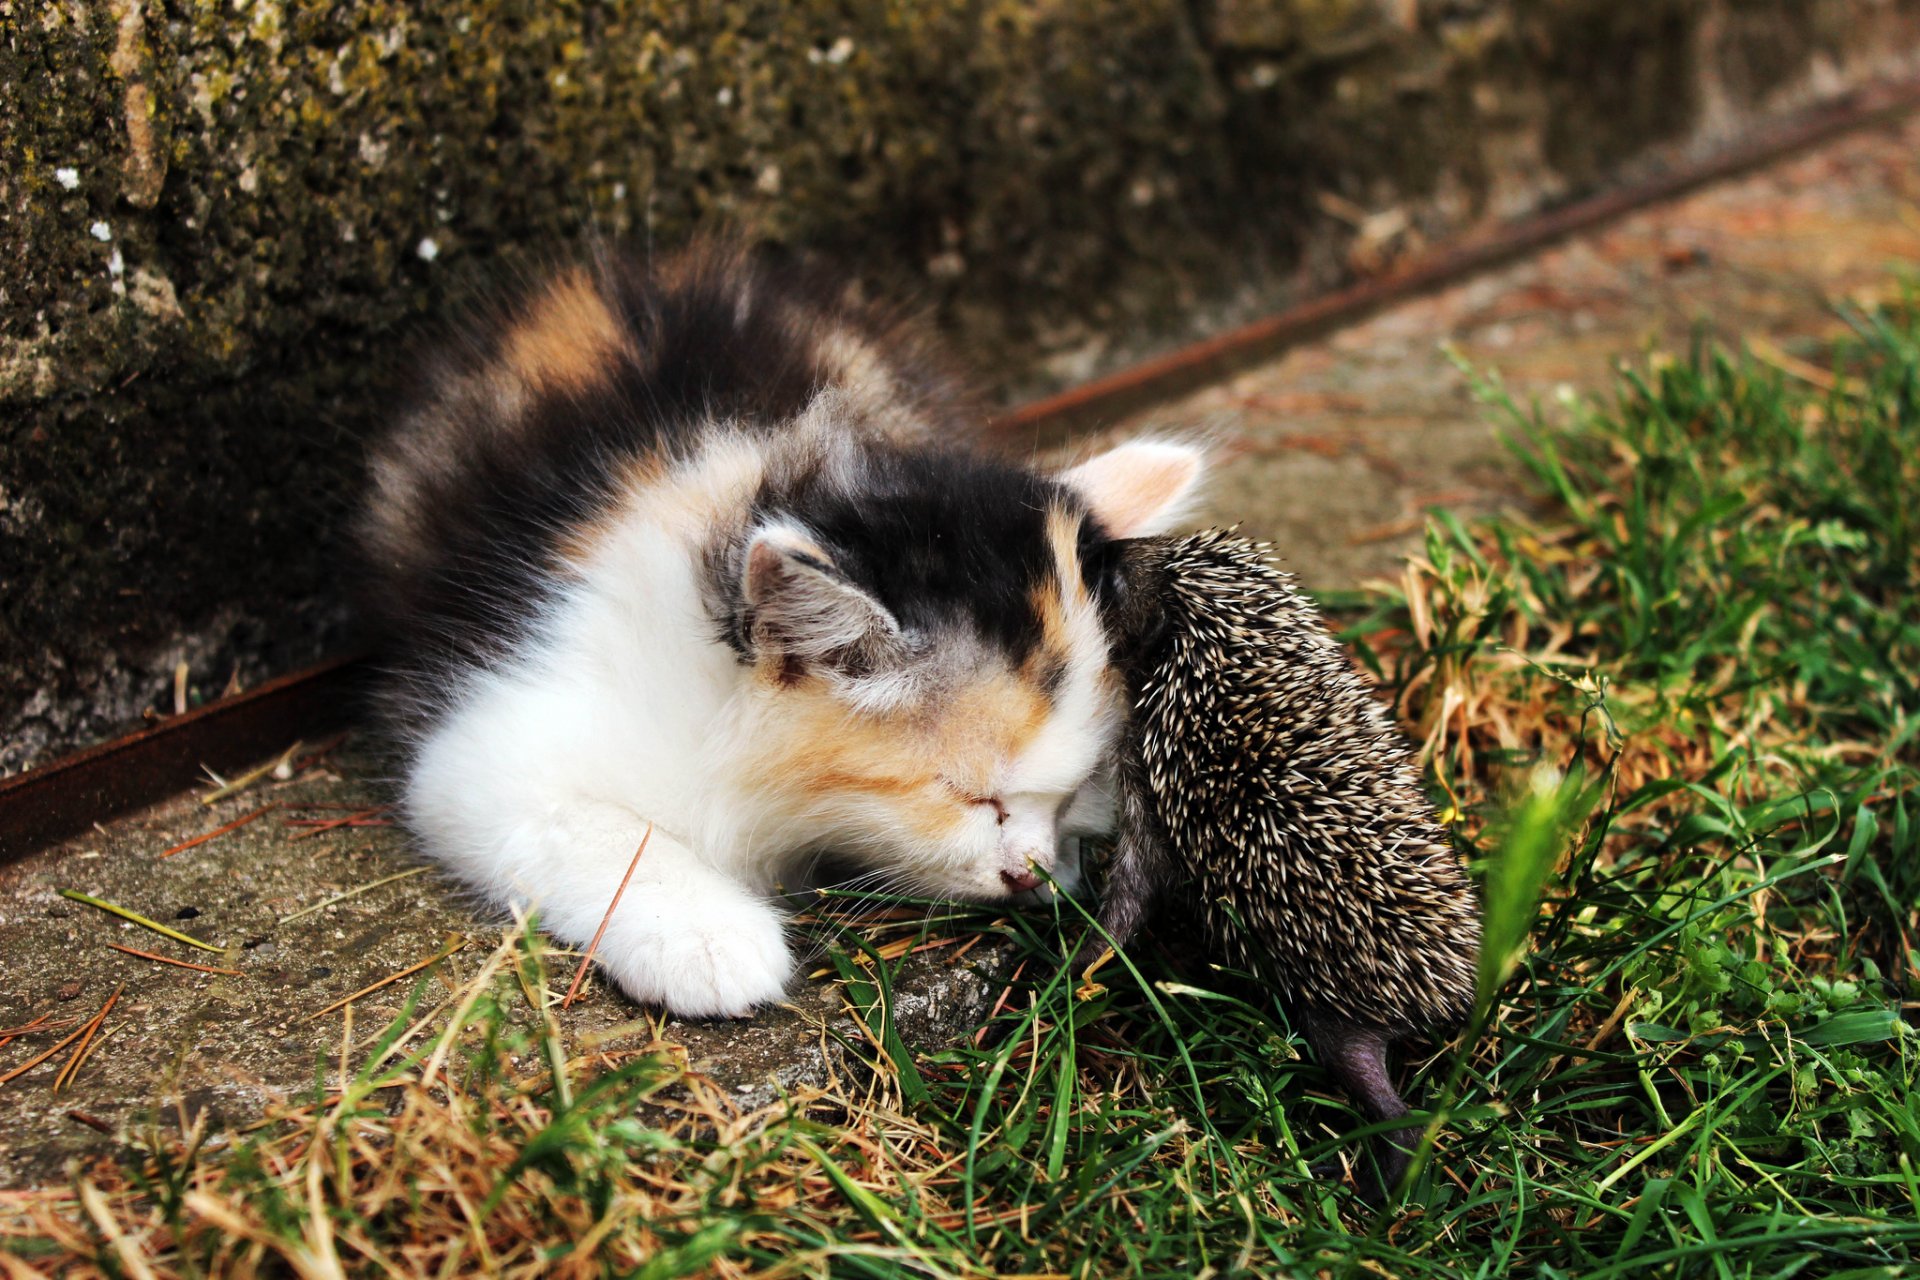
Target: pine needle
[42, 1023]
[140, 920]
[41, 1057]
[351, 820]
[355, 892]
[236, 824]
[184, 964]
[68, 1072]
[580, 974]
[457, 944]
[272, 767]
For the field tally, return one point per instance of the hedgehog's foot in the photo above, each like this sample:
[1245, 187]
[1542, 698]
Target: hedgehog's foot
[1375, 1179]
[1356, 1056]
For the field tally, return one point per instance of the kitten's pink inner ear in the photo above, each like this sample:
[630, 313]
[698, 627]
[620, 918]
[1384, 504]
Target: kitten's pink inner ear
[770, 562]
[765, 567]
[1139, 489]
[806, 610]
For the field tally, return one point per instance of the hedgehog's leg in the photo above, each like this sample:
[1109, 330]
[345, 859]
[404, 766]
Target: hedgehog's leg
[1136, 871]
[1356, 1056]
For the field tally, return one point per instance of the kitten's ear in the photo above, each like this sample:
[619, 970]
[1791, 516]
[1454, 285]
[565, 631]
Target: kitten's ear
[802, 609]
[1142, 488]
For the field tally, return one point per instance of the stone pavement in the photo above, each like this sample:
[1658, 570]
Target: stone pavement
[1334, 450]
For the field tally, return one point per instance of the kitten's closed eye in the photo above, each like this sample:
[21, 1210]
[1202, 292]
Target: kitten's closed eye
[969, 796]
[994, 803]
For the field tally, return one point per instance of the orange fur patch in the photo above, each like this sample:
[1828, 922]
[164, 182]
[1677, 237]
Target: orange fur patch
[996, 717]
[687, 502]
[578, 543]
[1061, 597]
[569, 338]
[1063, 538]
[926, 768]
[893, 786]
[859, 368]
[825, 753]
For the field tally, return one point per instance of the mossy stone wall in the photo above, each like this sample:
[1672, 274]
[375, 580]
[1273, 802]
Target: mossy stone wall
[218, 221]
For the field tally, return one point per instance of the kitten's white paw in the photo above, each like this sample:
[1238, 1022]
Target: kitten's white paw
[706, 960]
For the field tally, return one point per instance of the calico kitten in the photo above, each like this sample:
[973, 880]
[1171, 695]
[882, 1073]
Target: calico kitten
[701, 545]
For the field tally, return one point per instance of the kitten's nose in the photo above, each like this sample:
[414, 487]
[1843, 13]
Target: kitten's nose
[1020, 881]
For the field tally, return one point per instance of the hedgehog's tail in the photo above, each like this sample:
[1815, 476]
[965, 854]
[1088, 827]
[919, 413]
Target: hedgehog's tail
[1356, 1056]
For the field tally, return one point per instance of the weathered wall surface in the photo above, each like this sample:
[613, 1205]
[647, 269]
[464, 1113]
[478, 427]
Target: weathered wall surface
[218, 219]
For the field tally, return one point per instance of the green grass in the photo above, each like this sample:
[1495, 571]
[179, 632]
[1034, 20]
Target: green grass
[1676, 725]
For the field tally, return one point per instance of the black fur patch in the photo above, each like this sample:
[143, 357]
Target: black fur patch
[939, 537]
[465, 554]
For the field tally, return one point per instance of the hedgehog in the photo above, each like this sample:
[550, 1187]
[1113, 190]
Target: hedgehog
[1264, 791]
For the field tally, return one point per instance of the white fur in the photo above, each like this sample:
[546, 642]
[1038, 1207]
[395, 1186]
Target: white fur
[626, 711]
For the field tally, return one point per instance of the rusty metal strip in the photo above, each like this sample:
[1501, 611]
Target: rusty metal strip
[51, 803]
[1100, 403]
[62, 799]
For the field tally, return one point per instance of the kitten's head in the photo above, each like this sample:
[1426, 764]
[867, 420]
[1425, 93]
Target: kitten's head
[932, 685]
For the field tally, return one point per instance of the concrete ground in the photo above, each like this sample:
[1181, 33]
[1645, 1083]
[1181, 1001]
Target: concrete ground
[303, 915]
[1334, 450]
